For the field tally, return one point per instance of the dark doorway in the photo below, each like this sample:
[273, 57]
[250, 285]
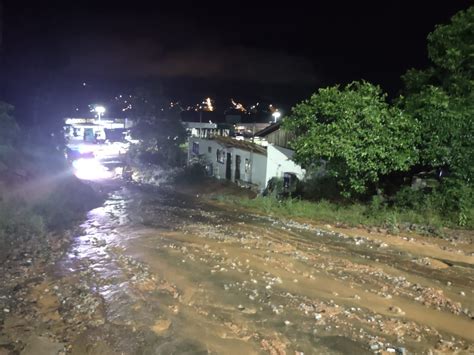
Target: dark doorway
[228, 167]
[237, 167]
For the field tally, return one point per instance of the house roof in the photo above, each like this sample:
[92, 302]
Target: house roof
[267, 130]
[240, 144]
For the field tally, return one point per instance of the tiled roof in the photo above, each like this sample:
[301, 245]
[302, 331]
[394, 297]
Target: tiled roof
[240, 144]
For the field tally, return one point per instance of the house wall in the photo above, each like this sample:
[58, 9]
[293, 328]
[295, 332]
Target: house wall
[256, 175]
[279, 162]
[280, 138]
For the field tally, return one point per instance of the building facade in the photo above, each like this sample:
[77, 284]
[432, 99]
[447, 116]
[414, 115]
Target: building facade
[245, 163]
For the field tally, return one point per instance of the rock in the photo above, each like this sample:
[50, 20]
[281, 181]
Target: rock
[374, 346]
[161, 326]
[462, 293]
[396, 310]
[36, 345]
[287, 322]
[318, 316]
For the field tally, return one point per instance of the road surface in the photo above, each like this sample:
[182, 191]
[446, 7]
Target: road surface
[166, 273]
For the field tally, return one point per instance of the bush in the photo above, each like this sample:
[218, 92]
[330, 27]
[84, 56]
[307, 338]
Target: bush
[69, 200]
[376, 213]
[18, 223]
[407, 197]
[321, 188]
[192, 174]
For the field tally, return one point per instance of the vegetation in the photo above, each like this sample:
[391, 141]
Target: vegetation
[425, 221]
[158, 129]
[371, 147]
[356, 133]
[38, 193]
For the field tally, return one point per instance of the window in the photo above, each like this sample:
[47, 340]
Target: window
[220, 156]
[195, 149]
[248, 165]
[209, 149]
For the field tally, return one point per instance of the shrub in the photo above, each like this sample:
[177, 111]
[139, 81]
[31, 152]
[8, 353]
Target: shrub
[66, 203]
[193, 173]
[19, 223]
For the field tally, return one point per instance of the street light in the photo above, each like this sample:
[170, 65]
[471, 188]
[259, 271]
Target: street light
[276, 115]
[100, 111]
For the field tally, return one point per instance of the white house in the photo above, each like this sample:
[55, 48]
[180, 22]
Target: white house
[225, 158]
[279, 162]
[243, 162]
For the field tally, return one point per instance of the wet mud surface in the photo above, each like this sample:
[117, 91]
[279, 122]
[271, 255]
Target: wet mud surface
[157, 272]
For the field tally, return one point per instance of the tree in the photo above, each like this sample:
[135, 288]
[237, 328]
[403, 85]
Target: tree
[441, 98]
[157, 127]
[356, 132]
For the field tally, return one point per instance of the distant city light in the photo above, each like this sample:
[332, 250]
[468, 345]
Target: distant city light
[208, 105]
[238, 106]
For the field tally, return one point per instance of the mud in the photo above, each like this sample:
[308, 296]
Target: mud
[154, 271]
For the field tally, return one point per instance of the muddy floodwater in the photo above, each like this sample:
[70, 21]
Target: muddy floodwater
[160, 272]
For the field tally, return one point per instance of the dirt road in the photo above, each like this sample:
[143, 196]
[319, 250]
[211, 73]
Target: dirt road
[156, 272]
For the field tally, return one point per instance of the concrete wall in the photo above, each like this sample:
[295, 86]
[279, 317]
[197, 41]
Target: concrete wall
[255, 174]
[279, 162]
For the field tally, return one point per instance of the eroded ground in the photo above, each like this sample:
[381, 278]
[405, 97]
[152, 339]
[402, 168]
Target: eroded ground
[155, 272]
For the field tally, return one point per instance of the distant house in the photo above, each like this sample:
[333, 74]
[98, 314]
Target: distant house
[243, 162]
[226, 158]
[89, 129]
[205, 124]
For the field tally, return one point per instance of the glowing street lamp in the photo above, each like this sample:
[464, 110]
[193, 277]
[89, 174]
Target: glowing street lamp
[276, 115]
[100, 110]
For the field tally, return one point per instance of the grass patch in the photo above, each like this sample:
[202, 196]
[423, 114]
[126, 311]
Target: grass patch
[354, 214]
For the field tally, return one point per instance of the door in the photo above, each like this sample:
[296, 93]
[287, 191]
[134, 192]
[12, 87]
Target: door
[89, 135]
[228, 167]
[237, 167]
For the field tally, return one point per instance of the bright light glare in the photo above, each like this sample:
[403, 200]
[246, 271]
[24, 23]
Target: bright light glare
[276, 114]
[85, 148]
[111, 150]
[100, 109]
[90, 169]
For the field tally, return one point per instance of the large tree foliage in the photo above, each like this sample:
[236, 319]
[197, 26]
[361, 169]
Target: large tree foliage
[157, 127]
[441, 98]
[356, 132]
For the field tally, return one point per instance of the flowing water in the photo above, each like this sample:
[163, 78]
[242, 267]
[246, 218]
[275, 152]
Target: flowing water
[176, 275]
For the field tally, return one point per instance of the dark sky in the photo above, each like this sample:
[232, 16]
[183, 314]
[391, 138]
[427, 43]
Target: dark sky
[248, 50]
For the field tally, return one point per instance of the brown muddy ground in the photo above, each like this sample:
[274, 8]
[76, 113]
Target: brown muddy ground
[159, 272]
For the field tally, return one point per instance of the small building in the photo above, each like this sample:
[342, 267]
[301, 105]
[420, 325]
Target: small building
[92, 129]
[243, 162]
[205, 124]
[231, 159]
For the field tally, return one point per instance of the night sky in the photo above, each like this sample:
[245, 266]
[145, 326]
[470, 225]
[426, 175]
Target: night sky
[250, 51]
